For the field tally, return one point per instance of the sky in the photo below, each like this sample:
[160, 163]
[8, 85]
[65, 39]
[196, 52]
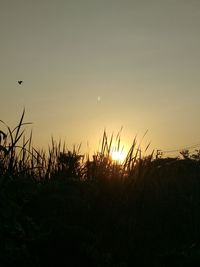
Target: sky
[92, 65]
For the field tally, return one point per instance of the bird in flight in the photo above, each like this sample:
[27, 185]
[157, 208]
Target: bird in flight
[20, 82]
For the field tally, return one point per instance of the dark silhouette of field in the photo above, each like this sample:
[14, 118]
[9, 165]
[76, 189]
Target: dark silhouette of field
[65, 211]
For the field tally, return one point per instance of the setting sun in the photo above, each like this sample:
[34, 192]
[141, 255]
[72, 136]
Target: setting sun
[118, 156]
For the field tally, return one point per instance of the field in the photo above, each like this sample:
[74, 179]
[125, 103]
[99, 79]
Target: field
[60, 208]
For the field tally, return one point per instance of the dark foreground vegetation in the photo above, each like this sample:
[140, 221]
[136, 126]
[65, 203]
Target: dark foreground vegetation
[61, 209]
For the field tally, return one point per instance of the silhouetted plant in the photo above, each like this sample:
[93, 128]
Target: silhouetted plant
[70, 164]
[58, 206]
[185, 154]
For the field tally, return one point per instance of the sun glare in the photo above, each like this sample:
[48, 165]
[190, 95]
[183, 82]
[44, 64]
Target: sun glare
[118, 156]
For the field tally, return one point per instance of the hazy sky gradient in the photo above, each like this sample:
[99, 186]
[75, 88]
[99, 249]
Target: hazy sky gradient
[90, 65]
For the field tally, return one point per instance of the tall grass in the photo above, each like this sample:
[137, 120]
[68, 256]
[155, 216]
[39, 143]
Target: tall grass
[139, 212]
[18, 156]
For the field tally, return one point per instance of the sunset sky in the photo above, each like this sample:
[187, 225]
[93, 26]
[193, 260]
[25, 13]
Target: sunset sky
[87, 65]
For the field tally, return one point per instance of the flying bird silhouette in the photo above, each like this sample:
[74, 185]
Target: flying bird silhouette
[20, 82]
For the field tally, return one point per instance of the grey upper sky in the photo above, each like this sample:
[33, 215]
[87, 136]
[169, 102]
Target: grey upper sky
[95, 64]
